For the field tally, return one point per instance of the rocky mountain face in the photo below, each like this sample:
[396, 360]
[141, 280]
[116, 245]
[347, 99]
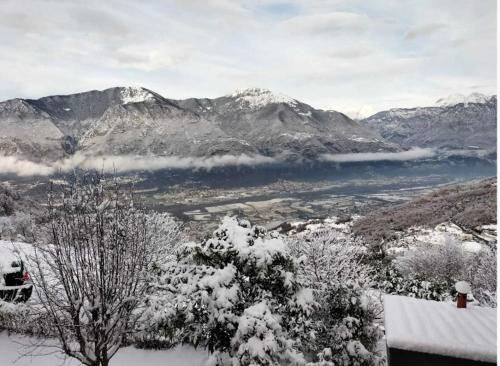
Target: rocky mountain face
[138, 121]
[457, 122]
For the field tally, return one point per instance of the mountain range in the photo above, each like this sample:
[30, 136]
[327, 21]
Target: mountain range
[137, 121]
[457, 122]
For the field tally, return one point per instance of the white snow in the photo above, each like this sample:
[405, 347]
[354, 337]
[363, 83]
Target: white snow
[257, 97]
[492, 227]
[359, 139]
[455, 99]
[11, 347]
[306, 114]
[135, 95]
[8, 256]
[439, 235]
[403, 113]
[297, 135]
[463, 287]
[472, 246]
[440, 328]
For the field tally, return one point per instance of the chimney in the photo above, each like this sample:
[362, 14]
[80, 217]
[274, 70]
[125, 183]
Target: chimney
[463, 288]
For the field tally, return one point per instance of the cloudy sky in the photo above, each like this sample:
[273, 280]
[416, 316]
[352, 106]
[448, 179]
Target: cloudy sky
[349, 55]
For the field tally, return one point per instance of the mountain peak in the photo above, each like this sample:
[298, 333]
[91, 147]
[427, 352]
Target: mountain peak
[455, 99]
[132, 94]
[259, 97]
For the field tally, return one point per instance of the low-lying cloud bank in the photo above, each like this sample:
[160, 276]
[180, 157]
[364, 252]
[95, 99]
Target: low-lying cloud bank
[126, 163]
[413, 154]
[13, 165]
[129, 163]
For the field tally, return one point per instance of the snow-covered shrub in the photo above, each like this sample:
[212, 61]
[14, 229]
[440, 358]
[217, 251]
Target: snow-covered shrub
[16, 227]
[343, 329]
[238, 295]
[7, 200]
[25, 318]
[430, 271]
[483, 277]
[435, 263]
[392, 282]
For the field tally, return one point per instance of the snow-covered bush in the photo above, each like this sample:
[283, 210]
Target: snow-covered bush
[483, 277]
[238, 295]
[17, 227]
[435, 263]
[430, 271]
[392, 282]
[92, 276]
[343, 329]
[7, 199]
[25, 318]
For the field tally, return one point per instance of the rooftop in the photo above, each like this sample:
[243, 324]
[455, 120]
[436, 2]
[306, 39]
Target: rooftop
[441, 328]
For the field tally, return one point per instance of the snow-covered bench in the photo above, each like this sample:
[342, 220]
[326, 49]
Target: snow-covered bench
[423, 332]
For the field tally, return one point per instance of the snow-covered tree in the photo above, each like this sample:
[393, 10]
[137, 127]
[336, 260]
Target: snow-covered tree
[94, 273]
[343, 324]
[435, 262]
[483, 276]
[393, 282]
[238, 295]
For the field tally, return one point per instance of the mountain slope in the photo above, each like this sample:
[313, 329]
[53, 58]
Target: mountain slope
[28, 130]
[141, 122]
[456, 122]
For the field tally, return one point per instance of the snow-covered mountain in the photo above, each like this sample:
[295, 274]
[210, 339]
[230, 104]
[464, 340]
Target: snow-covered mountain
[125, 120]
[456, 122]
[455, 99]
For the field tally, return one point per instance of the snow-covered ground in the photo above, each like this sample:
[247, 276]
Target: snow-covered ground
[439, 235]
[12, 347]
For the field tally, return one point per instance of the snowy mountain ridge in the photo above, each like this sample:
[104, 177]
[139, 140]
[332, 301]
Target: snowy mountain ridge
[455, 99]
[137, 121]
[135, 95]
[259, 97]
[458, 122]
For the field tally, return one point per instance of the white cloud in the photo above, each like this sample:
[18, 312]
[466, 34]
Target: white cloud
[413, 154]
[126, 163]
[333, 22]
[424, 30]
[14, 165]
[129, 163]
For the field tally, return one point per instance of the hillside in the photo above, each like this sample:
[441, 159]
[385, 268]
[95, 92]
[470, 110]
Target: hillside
[467, 205]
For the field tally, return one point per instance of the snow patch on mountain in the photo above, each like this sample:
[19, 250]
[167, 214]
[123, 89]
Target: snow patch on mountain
[135, 95]
[455, 99]
[403, 113]
[256, 98]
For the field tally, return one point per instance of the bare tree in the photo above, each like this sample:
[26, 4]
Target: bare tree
[93, 274]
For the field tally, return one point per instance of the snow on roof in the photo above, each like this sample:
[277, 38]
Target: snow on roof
[440, 328]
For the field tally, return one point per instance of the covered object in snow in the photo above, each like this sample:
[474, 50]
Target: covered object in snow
[424, 332]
